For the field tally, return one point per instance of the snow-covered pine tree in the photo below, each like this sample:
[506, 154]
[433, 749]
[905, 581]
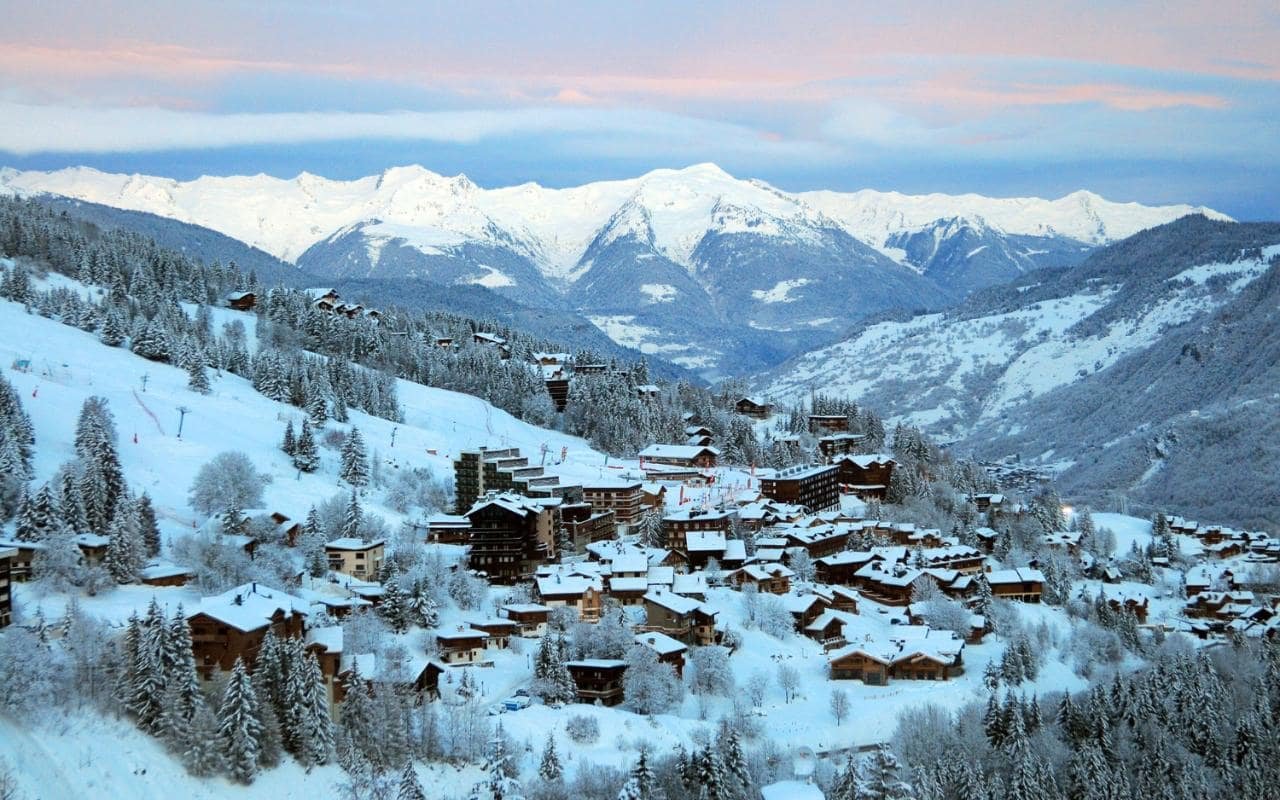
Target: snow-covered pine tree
[153, 342]
[124, 558]
[203, 754]
[306, 457]
[290, 443]
[351, 522]
[39, 517]
[113, 331]
[309, 710]
[394, 607]
[410, 789]
[650, 529]
[240, 726]
[358, 720]
[198, 372]
[549, 768]
[317, 406]
[69, 502]
[184, 699]
[148, 527]
[878, 778]
[355, 460]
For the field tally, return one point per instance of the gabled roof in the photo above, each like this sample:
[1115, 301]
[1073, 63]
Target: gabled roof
[682, 451]
[672, 601]
[351, 543]
[249, 607]
[661, 643]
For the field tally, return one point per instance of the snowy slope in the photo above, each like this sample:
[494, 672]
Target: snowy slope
[69, 365]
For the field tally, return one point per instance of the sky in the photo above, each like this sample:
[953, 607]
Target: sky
[1151, 101]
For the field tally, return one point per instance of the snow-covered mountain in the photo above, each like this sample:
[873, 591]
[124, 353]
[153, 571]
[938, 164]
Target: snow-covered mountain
[1099, 370]
[694, 259]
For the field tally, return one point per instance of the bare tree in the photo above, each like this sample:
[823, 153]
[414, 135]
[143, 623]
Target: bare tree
[839, 705]
[788, 681]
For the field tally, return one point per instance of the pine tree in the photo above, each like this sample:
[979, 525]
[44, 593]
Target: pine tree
[550, 769]
[410, 789]
[198, 374]
[309, 696]
[73, 516]
[351, 524]
[113, 328]
[152, 665]
[124, 556]
[878, 778]
[203, 754]
[710, 775]
[316, 407]
[355, 461]
[306, 457]
[39, 517]
[148, 527]
[290, 444]
[240, 726]
[153, 342]
[184, 699]
[735, 762]
[359, 720]
[394, 607]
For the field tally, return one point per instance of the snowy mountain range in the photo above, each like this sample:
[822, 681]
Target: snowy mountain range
[1179, 321]
[704, 269]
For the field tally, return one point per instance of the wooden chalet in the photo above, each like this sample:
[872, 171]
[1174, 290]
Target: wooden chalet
[770, 578]
[828, 423]
[804, 609]
[530, 618]
[840, 569]
[242, 301]
[414, 677]
[584, 525]
[827, 629]
[448, 529]
[677, 525]
[233, 624]
[669, 650]
[462, 645]
[500, 630]
[1023, 584]
[94, 547]
[158, 573]
[867, 476]
[753, 407]
[599, 680]
[679, 617]
[913, 652]
[680, 455]
[838, 444]
[889, 584]
[511, 535]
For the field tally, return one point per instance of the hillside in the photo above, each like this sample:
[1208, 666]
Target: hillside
[717, 274]
[1161, 325]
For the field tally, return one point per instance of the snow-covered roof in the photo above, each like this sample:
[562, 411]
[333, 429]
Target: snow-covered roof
[515, 503]
[448, 519]
[352, 543]
[163, 569]
[463, 633]
[661, 643]
[597, 663]
[1018, 575]
[681, 451]
[735, 550]
[526, 608]
[249, 606]
[562, 585]
[672, 601]
[869, 460]
[628, 584]
[329, 637]
[705, 541]
[761, 572]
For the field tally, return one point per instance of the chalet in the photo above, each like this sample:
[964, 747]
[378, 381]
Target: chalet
[890, 584]
[448, 529]
[670, 651]
[511, 535]
[7, 557]
[735, 554]
[827, 629]
[828, 423]
[1205, 577]
[653, 497]
[986, 503]
[324, 299]
[677, 525]
[21, 559]
[840, 569]
[326, 644]
[844, 599]
[1022, 584]
[462, 645]
[233, 624]
[680, 455]
[629, 591]
[356, 557]
[867, 476]
[415, 676]
[599, 680]
[624, 498]
[771, 578]
[913, 652]
[94, 547]
[1063, 541]
[498, 629]
[832, 447]
[159, 573]
[957, 557]
[814, 487]
[703, 546]
[1218, 605]
[683, 618]
[1136, 603]
[692, 475]
[648, 391]
[242, 301]
[804, 609]
[530, 618]
[752, 407]
[579, 592]
[698, 436]
[818, 541]
[340, 607]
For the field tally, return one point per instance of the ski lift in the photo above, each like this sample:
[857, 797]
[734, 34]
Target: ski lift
[22, 364]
